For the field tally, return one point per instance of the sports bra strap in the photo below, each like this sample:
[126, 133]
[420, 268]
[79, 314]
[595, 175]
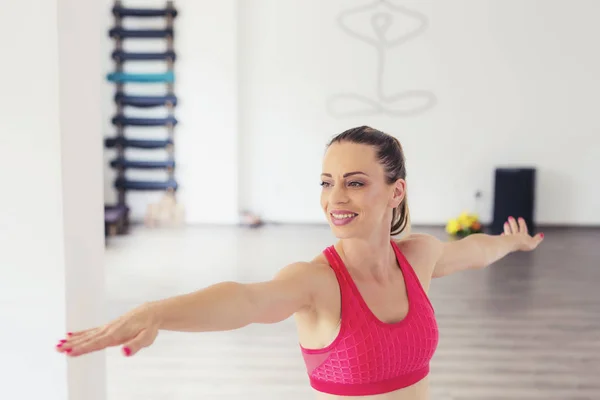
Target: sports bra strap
[343, 278]
[411, 279]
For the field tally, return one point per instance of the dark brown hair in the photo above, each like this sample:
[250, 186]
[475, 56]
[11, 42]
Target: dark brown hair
[391, 156]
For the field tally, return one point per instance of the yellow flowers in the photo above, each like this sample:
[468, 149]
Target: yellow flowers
[453, 226]
[467, 220]
[464, 225]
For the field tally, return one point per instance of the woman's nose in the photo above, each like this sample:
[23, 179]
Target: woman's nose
[338, 195]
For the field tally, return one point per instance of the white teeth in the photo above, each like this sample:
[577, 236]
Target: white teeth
[343, 216]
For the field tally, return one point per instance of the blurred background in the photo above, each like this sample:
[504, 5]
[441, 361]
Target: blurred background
[152, 148]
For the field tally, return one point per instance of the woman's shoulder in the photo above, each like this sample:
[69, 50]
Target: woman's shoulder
[422, 251]
[319, 265]
[317, 270]
[419, 240]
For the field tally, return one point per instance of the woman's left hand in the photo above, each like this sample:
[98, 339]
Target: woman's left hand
[518, 229]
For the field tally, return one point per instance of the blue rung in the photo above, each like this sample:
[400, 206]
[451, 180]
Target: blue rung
[137, 164]
[127, 184]
[120, 55]
[123, 33]
[124, 77]
[137, 143]
[145, 101]
[131, 121]
[143, 12]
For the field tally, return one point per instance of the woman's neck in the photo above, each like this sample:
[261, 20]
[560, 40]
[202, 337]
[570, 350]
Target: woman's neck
[371, 257]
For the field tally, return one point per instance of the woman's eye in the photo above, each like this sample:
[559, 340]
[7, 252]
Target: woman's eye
[351, 184]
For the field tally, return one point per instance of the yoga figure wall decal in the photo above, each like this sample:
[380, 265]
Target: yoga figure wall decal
[381, 14]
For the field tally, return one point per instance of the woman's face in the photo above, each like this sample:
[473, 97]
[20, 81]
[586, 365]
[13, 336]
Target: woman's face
[355, 196]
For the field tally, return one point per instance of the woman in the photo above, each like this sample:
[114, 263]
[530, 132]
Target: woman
[365, 324]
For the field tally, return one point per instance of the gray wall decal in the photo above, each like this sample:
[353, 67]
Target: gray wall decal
[380, 14]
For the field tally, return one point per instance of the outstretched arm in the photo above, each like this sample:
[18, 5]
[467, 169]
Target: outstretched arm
[480, 250]
[220, 307]
[232, 305]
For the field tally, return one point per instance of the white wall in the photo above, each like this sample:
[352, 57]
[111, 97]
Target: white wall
[516, 83]
[51, 230]
[206, 86]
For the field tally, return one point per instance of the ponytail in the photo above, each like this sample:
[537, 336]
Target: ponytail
[400, 218]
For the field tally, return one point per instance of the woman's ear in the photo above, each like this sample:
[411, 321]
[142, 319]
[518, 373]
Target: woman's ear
[398, 193]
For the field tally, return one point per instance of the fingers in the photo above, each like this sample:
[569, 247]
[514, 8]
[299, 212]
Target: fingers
[73, 336]
[136, 329]
[93, 340]
[535, 241]
[79, 333]
[522, 225]
[94, 343]
[519, 227]
[144, 339]
[513, 226]
[66, 345]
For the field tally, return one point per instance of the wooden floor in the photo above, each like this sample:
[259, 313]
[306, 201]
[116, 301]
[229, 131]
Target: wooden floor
[526, 328]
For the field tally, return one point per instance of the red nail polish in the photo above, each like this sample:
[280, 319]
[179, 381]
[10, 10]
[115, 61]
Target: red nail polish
[58, 346]
[542, 235]
[127, 351]
[68, 350]
[69, 333]
[62, 341]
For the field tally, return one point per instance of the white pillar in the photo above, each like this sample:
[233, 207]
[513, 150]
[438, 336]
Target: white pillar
[51, 223]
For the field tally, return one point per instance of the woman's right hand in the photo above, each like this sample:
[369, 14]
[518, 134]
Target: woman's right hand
[134, 330]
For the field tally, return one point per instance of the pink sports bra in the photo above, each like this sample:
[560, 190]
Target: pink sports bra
[370, 356]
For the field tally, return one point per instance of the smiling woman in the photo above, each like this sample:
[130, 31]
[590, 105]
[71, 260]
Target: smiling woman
[379, 159]
[342, 217]
[365, 324]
